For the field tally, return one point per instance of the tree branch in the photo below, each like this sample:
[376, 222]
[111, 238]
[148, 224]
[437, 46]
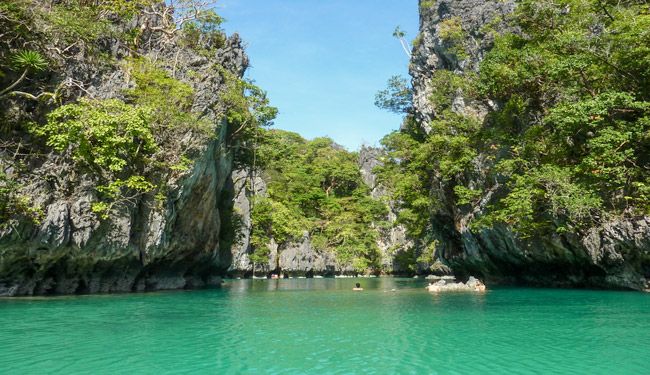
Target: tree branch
[18, 81]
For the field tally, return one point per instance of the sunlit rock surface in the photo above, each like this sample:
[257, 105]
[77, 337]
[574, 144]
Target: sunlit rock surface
[147, 245]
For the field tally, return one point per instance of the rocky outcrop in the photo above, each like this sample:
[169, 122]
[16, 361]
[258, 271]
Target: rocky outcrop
[433, 52]
[615, 254]
[246, 185]
[146, 245]
[392, 240]
[301, 259]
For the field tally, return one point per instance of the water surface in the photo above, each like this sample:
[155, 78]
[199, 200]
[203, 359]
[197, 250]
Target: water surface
[321, 326]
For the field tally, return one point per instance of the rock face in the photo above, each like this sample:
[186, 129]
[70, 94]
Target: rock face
[149, 245]
[613, 255]
[392, 240]
[246, 185]
[303, 260]
[432, 52]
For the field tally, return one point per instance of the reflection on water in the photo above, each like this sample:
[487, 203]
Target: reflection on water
[322, 326]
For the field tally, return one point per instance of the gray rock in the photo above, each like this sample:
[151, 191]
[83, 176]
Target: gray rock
[432, 52]
[246, 185]
[144, 245]
[392, 240]
[614, 254]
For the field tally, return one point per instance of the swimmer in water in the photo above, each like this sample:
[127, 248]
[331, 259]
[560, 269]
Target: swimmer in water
[357, 287]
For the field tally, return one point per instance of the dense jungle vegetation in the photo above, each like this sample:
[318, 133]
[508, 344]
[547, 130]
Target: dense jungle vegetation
[566, 142]
[315, 188]
[134, 143]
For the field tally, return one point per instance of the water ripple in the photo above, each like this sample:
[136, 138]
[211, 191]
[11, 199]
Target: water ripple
[321, 326]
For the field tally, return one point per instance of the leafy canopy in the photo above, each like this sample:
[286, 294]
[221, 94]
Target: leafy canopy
[315, 187]
[569, 138]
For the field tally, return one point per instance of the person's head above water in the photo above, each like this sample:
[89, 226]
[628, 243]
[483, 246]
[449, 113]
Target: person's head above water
[358, 285]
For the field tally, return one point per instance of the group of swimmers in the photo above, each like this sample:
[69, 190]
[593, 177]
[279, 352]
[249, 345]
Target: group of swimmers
[478, 287]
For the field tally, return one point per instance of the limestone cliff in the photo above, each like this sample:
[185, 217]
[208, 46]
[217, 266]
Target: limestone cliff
[392, 240]
[611, 255]
[148, 244]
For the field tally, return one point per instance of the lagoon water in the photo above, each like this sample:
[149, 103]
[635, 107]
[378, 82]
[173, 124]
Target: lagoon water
[320, 326]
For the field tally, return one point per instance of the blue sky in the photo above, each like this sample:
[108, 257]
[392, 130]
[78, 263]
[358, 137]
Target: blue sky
[322, 61]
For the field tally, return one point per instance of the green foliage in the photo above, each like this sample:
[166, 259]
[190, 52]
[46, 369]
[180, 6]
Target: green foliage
[397, 97]
[260, 255]
[427, 4]
[315, 186]
[105, 135]
[27, 59]
[205, 32]
[428, 255]
[545, 198]
[273, 219]
[14, 205]
[72, 22]
[414, 161]
[156, 88]
[247, 111]
[450, 30]
[577, 116]
[569, 138]
[465, 195]
[399, 33]
[121, 8]
[406, 172]
[417, 42]
[169, 99]
[85, 22]
[133, 147]
[247, 106]
[129, 148]
[17, 24]
[115, 192]
[446, 85]
[137, 183]
[183, 164]
[111, 139]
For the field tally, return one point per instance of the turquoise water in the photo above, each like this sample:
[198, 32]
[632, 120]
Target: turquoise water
[321, 326]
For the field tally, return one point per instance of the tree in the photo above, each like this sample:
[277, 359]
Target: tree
[397, 97]
[315, 186]
[400, 35]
